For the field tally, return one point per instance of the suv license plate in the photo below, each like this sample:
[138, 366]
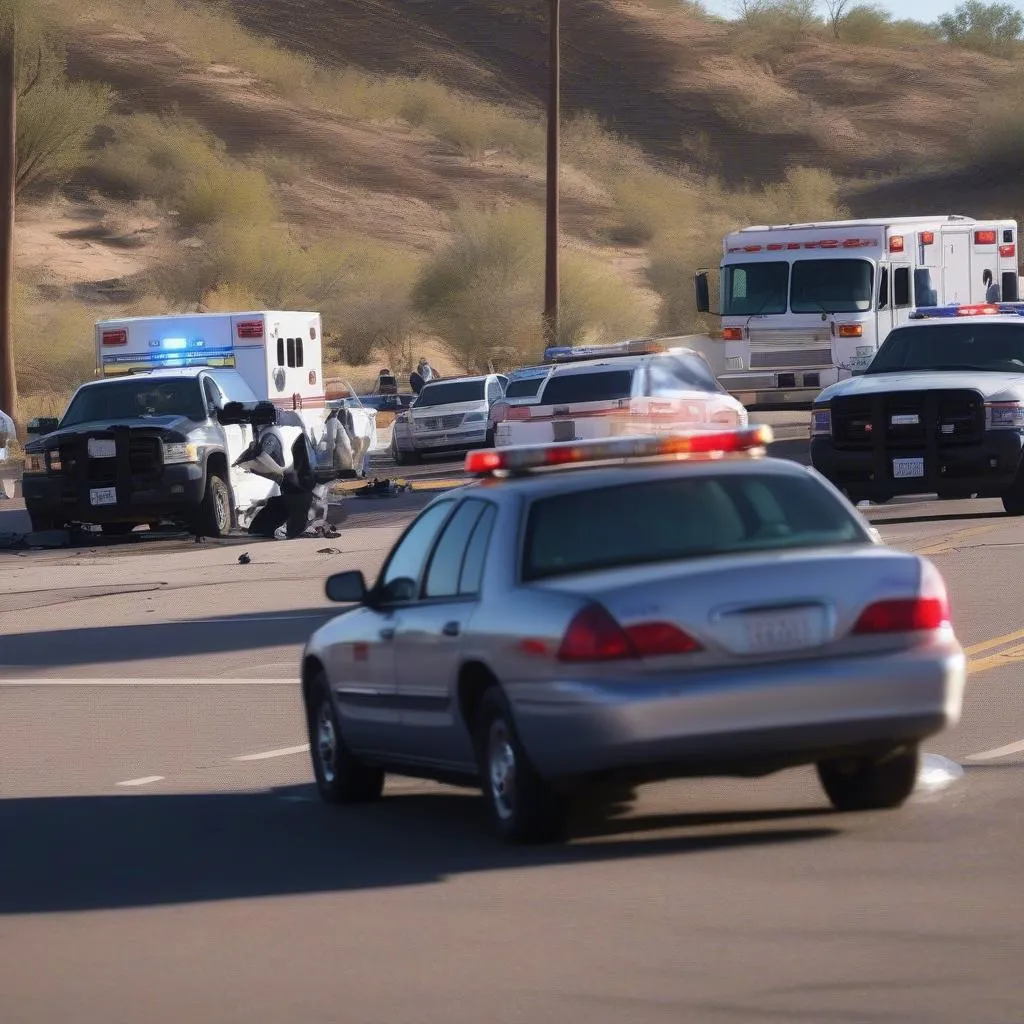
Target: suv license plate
[103, 496]
[903, 469]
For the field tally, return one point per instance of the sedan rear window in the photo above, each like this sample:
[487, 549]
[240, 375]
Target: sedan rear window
[523, 387]
[599, 386]
[681, 518]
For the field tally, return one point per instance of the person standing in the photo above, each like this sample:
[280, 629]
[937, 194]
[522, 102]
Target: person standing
[420, 376]
[991, 288]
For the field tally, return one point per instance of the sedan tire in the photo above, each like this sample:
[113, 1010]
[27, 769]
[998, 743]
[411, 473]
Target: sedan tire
[341, 778]
[524, 808]
[868, 784]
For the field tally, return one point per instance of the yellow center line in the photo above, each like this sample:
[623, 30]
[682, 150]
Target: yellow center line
[1008, 657]
[987, 645]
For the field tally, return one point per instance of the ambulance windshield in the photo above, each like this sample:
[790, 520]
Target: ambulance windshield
[753, 289]
[136, 398]
[832, 286]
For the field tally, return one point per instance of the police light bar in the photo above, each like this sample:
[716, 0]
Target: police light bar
[709, 444]
[975, 309]
[631, 347]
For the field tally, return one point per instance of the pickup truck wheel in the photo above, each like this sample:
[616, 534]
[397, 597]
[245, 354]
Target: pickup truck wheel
[215, 513]
[524, 808]
[398, 457]
[340, 777]
[868, 784]
[41, 522]
[1013, 499]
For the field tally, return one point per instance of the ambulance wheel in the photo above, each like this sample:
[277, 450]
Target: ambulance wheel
[215, 514]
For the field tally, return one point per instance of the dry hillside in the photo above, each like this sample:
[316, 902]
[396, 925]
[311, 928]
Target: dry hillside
[362, 129]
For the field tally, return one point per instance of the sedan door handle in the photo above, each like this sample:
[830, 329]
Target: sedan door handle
[451, 629]
[388, 634]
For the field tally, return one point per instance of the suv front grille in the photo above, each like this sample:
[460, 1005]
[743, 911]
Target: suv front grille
[908, 419]
[144, 459]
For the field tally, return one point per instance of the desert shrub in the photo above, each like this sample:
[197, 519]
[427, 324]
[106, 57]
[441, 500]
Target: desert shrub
[178, 162]
[994, 29]
[646, 201]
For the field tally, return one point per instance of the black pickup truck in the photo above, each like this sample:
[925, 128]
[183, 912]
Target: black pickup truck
[139, 449]
[939, 410]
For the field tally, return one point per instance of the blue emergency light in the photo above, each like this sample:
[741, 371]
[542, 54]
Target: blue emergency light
[972, 309]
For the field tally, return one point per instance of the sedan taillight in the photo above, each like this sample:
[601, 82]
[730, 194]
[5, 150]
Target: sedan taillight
[593, 635]
[903, 615]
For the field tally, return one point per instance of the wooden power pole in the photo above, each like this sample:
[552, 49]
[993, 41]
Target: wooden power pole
[551, 246]
[8, 139]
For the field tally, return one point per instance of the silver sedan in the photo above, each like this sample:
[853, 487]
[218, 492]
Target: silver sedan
[628, 611]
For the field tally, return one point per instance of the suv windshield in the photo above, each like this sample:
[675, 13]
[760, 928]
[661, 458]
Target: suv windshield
[451, 393]
[681, 518]
[132, 399]
[603, 385]
[832, 286]
[749, 289]
[959, 345]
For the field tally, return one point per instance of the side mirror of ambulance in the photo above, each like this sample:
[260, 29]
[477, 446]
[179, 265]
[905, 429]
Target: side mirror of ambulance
[346, 587]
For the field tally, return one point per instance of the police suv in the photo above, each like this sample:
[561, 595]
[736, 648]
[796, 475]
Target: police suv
[939, 410]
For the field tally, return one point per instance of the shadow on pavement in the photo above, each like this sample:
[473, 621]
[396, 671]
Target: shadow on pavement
[86, 853]
[94, 645]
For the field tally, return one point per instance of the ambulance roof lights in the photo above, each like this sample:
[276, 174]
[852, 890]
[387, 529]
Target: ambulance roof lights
[631, 347]
[699, 444]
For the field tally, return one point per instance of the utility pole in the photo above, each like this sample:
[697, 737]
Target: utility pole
[551, 253]
[8, 139]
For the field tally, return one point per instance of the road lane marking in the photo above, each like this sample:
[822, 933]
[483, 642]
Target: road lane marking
[1009, 656]
[991, 755]
[949, 544]
[998, 641]
[171, 681]
[266, 755]
[144, 781]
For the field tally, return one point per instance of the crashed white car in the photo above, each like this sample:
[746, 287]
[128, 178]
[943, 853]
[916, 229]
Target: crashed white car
[350, 433]
[6, 435]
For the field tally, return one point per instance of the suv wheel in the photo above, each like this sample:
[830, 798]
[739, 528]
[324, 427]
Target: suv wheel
[524, 808]
[870, 784]
[340, 777]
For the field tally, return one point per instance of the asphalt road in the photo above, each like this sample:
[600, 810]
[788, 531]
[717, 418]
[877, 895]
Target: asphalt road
[164, 859]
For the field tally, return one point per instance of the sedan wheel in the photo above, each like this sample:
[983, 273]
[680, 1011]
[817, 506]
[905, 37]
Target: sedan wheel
[869, 784]
[341, 778]
[524, 808]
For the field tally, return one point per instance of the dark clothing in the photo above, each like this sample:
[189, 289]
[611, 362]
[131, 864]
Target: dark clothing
[416, 381]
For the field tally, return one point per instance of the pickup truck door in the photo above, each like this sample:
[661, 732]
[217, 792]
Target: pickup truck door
[247, 488]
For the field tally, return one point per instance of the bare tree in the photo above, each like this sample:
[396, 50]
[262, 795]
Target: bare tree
[837, 10]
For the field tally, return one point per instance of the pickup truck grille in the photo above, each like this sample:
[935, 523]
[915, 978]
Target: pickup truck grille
[908, 419]
[144, 459]
[440, 422]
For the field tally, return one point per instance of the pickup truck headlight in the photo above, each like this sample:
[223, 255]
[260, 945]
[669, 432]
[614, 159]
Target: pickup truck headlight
[475, 417]
[821, 422]
[178, 453]
[1004, 416]
[35, 464]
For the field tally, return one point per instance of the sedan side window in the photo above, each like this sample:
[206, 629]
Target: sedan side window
[399, 580]
[449, 555]
[473, 563]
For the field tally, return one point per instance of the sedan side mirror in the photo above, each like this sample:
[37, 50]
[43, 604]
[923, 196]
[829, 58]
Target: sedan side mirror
[346, 587]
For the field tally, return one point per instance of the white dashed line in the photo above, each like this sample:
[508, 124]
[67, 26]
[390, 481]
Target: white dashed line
[171, 681]
[991, 755]
[266, 755]
[144, 781]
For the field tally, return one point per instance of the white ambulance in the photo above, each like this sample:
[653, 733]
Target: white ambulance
[805, 305]
[146, 442]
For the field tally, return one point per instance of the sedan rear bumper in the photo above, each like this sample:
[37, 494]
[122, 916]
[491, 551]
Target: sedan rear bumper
[739, 722]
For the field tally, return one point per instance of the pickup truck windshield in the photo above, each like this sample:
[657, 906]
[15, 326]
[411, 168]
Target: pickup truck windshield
[681, 518]
[136, 398]
[597, 386]
[957, 345]
[832, 286]
[451, 393]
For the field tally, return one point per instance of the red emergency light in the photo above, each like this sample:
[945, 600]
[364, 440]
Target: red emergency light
[115, 337]
[985, 237]
[250, 329]
[927, 237]
[896, 243]
[1008, 251]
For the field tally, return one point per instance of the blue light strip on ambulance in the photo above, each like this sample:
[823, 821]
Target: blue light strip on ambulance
[126, 362]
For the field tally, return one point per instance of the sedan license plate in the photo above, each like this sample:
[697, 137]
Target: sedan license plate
[768, 632]
[102, 448]
[903, 469]
[103, 496]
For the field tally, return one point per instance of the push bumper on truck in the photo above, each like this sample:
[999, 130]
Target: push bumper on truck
[947, 452]
[777, 389]
[68, 484]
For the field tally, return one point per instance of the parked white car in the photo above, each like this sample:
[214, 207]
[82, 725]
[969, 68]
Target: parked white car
[450, 415]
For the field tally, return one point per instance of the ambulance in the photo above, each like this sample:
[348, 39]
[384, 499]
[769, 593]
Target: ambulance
[806, 305]
[150, 440]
